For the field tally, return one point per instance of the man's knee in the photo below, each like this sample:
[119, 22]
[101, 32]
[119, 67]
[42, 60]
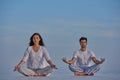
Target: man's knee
[72, 68]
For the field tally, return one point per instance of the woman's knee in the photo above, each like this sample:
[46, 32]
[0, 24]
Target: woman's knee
[25, 71]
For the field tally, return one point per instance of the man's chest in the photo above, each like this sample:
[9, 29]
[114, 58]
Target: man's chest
[83, 56]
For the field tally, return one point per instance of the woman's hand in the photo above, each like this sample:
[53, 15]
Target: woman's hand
[54, 66]
[17, 68]
[19, 65]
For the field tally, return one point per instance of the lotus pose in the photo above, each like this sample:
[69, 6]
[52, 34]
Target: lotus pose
[37, 57]
[80, 62]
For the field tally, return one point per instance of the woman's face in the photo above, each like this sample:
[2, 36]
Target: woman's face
[36, 39]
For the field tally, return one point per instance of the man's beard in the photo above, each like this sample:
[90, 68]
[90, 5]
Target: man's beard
[83, 46]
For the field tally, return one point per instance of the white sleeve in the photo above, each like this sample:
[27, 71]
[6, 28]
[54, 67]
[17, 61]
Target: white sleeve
[75, 54]
[92, 54]
[46, 54]
[26, 55]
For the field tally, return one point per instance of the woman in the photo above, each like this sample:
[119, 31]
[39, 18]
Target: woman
[37, 58]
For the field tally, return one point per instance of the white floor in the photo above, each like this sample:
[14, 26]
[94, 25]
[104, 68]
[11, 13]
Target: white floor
[63, 77]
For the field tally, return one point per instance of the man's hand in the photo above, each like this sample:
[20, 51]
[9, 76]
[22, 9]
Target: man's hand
[98, 61]
[69, 61]
[102, 60]
[64, 59]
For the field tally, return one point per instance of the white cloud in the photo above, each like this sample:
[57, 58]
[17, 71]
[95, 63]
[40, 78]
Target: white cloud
[92, 28]
[105, 33]
[7, 39]
[79, 23]
[67, 27]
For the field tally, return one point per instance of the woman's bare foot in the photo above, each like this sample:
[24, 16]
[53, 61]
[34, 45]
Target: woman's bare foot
[36, 74]
[40, 74]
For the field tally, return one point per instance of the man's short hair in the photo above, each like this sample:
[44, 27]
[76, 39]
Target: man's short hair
[83, 38]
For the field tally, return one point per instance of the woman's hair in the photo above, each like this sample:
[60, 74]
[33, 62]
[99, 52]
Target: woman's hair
[40, 42]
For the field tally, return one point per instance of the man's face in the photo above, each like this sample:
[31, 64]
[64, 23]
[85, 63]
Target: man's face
[83, 43]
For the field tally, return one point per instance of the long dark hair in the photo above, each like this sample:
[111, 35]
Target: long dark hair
[40, 42]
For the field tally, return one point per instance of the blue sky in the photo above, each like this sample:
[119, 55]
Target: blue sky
[61, 23]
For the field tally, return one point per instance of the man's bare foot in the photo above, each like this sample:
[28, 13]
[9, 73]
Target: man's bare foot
[43, 74]
[79, 73]
[92, 74]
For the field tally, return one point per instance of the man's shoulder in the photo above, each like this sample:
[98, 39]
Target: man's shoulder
[77, 51]
[89, 51]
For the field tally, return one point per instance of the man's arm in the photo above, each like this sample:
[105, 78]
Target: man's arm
[98, 61]
[69, 61]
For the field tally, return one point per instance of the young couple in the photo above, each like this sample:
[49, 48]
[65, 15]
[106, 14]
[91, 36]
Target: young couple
[39, 62]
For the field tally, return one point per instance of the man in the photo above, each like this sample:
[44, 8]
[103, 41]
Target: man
[82, 59]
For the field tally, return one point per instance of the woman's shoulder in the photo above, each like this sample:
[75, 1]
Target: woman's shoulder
[43, 47]
[29, 48]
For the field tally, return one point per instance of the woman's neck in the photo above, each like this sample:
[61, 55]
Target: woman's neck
[36, 45]
[36, 48]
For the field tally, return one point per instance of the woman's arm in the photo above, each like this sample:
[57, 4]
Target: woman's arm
[69, 61]
[98, 61]
[19, 65]
[25, 58]
[51, 64]
[48, 59]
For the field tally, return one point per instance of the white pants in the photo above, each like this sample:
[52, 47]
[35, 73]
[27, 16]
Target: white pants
[88, 70]
[30, 72]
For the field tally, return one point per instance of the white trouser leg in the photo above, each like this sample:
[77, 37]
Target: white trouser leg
[93, 69]
[26, 71]
[45, 70]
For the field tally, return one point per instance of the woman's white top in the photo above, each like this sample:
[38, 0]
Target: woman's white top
[37, 59]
